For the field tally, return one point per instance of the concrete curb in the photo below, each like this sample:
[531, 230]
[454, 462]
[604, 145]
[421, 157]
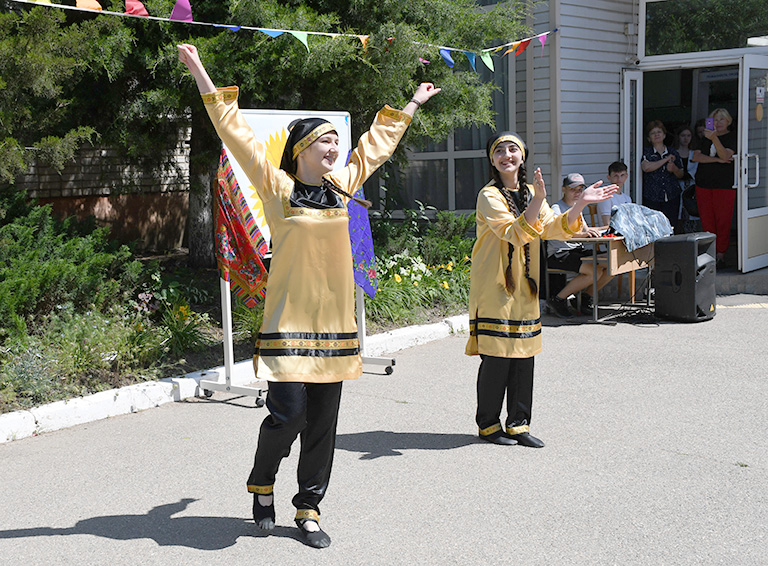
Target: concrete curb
[141, 396]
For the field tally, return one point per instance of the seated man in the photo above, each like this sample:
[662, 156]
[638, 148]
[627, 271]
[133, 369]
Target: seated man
[567, 256]
[617, 174]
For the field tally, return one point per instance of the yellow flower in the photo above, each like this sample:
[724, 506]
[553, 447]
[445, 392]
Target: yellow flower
[415, 283]
[445, 284]
[449, 267]
[398, 278]
[466, 258]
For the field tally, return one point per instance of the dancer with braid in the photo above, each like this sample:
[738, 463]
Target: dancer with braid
[505, 322]
[308, 340]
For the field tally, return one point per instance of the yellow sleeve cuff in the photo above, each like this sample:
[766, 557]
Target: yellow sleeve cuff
[533, 231]
[225, 94]
[394, 114]
[567, 229]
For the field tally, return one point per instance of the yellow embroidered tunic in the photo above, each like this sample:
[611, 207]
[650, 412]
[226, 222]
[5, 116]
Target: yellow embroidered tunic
[309, 332]
[503, 325]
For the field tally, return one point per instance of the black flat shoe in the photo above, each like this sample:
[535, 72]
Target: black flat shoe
[495, 435]
[525, 439]
[498, 438]
[315, 539]
[264, 516]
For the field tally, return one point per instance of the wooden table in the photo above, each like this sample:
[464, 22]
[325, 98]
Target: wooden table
[617, 260]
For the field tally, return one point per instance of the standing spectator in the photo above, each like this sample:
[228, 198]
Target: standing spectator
[662, 169]
[617, 175]
[685, 145]
[715, 192]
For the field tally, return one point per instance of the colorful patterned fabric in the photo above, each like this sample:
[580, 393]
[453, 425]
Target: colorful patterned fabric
[364, 260]
[240, 246]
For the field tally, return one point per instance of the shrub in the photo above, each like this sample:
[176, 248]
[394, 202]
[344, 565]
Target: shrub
[45, 263]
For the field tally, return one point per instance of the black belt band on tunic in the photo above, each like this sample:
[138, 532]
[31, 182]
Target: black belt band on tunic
[503, 328]
[311, 344]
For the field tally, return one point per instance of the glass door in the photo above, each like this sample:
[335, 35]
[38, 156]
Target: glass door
[752, 194]
[632, 132]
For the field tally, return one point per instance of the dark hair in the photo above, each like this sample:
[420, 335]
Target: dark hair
[617, 167]
[692, 144]
[517, 202]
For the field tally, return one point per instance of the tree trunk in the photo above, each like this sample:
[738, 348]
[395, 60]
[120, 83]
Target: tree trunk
[203, 154]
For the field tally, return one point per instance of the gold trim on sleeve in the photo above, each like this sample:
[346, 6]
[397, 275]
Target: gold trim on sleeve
[398, 115]
[566, 226]
[527, 228]
[225, 94]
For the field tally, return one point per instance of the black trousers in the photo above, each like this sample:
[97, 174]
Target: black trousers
[309, 409]
[500, 376]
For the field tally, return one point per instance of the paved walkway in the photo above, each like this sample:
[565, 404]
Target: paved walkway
[656, 454]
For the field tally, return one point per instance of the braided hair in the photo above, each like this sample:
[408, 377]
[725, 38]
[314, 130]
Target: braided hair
[517, 202]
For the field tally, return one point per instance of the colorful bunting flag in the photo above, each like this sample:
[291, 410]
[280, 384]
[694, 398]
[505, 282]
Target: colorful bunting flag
[301, 36]
[271, 32]
[135, 8]
[542, 37]
[486, 58]
[88, 5]
[514, 46]
[471, 58]
[240, 246]
[182, 11]
[522, 46]
[446, 55]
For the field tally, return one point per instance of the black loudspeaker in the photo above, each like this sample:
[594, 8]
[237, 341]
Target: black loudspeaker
[684, 277]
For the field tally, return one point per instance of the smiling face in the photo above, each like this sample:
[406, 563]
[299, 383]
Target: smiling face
[507, 158]
[320, 157]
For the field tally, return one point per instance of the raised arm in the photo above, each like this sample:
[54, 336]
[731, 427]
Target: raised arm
[189, 56]
[234, 131]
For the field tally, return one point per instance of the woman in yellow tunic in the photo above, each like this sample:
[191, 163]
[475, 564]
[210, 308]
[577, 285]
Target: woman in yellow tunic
[505, 322]
[308, 340]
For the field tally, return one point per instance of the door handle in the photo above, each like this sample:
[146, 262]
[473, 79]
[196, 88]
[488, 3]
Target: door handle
[757, 170]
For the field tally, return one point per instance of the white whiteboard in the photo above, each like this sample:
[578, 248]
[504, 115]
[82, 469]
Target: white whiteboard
[271, 128]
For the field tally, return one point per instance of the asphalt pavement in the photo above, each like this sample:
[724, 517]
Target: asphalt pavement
[656, 454]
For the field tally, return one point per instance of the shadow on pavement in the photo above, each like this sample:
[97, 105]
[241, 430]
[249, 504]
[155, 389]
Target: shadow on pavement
[202, 533]
[377, 443]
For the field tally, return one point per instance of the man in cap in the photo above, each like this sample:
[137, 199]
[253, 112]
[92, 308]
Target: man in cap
[567, 256]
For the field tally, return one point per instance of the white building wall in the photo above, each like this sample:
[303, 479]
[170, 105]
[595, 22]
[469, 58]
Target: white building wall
[593, 50]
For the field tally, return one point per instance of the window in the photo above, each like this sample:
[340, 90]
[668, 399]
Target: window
[683, 26]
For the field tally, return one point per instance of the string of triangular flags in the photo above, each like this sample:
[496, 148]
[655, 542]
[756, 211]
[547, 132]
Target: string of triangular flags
[182, 12]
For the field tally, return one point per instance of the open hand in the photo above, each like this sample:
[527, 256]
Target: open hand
[597, 193]
[539, 189]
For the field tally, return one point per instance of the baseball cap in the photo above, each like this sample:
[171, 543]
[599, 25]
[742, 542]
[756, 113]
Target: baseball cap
[573, 180]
